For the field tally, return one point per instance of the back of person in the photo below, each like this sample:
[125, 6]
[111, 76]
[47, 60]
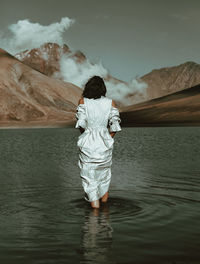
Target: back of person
[96, 119]
[97, 111]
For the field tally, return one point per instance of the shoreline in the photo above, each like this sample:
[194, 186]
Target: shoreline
[36, 124]
[62, 124]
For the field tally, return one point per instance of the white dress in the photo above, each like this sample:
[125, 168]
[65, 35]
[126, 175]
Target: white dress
[96, 144]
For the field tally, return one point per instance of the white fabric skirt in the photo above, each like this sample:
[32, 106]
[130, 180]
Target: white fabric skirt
[95, 160]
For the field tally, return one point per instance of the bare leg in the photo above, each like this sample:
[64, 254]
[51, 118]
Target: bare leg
[105, 197]
[95, 204]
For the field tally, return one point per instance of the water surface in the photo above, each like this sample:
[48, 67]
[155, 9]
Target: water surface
[153, 211]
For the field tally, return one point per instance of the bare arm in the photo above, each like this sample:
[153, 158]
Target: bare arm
[113, 133]
[81, 101]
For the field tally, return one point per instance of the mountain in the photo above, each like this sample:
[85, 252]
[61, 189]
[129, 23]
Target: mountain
[32, 92]
[179, 108]
[45, 59]
[168, 80]
[160, 82]
[29, 97]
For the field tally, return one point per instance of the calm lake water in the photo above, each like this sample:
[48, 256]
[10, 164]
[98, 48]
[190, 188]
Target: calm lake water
[153, 212]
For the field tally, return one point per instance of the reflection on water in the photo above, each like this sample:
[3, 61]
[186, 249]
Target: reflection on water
[153, 211]
[96, 236]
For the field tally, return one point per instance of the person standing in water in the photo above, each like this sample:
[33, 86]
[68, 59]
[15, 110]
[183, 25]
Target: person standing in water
[98, 120]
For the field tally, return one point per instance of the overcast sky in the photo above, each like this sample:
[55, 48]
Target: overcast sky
[131, 37]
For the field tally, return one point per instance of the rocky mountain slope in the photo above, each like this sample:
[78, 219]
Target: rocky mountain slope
[179, 108]
[160, 82]
[45, 59]
[34, 93]
[28, 96]
[172, 79]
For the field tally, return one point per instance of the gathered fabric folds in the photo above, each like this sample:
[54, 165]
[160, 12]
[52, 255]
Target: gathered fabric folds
[114, 120]
[80, 116]
[95, 144]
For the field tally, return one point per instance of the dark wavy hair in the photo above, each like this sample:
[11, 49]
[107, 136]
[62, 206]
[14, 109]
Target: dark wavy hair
[94, 88]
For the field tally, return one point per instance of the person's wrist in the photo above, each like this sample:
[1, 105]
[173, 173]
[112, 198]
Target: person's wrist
[112, 134]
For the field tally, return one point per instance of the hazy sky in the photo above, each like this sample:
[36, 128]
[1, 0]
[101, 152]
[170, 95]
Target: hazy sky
[131, 37]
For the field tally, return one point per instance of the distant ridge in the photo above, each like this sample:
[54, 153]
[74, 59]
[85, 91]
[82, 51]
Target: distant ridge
[179, 108]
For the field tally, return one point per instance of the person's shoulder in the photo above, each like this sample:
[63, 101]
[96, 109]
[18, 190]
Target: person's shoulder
[113, 103]
[81, 100]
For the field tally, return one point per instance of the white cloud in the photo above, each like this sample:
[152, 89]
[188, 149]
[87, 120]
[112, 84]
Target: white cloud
[120, 91]
[78, 74]
[28, 35]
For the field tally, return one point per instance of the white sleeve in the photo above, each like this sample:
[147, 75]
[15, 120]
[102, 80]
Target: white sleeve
[81, 116]
[114, 120]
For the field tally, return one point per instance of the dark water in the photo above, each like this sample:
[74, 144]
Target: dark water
[152, 216]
